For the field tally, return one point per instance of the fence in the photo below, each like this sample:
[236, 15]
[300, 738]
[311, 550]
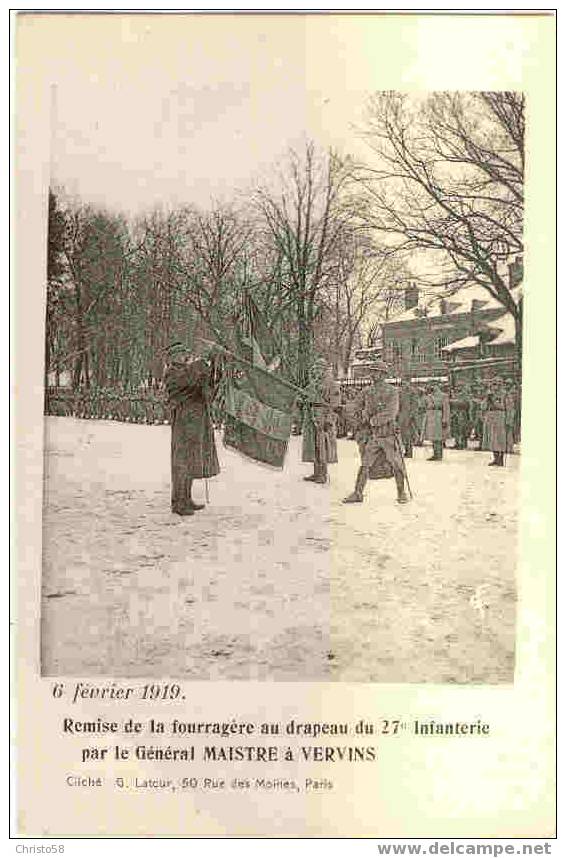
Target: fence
[140, 406]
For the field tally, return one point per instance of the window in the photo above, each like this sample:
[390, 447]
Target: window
[418, 351]
[439, 344]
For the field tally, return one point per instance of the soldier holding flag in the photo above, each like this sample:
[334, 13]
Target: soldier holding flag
[190, 382]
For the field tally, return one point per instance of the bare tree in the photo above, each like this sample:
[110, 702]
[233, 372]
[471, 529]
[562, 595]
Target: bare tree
[448, 181]
[94, 250]
[218, 263]
[156, 281]
[365, 281]
[304, 217]
[55, 338]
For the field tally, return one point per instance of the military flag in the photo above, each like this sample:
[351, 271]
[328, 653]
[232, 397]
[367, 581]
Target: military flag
[260, 346]
[257, 399]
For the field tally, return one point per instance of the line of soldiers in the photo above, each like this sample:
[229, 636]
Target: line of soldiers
[488, 412]
[99, 403]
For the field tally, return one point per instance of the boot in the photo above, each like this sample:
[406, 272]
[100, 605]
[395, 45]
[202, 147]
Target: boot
[320, 474]
[195, 506]
[357, 495]
[354, 498]
[436, 451]
[182, 510]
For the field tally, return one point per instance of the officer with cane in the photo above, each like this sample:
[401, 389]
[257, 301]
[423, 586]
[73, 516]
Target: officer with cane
[377, 435]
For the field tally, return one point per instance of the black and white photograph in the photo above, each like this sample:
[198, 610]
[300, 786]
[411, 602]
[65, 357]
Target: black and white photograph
[283, 358]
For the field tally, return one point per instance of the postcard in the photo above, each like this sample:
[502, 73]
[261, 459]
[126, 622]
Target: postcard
[284, 361]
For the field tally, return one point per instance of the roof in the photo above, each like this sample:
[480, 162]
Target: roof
[464, 343]
[459, 302]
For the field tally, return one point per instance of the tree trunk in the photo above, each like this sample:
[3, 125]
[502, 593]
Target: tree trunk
[86, 365]
[519, 338]
[47, 353]
[302, 350]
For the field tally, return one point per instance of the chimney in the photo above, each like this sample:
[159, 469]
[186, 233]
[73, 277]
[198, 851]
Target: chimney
[474, 321]
[411, 297]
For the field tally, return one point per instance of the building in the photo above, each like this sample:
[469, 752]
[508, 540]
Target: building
[495, 339]
[363, 359]
[489, 353]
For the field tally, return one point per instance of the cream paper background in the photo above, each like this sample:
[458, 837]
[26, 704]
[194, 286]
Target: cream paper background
[501, 786]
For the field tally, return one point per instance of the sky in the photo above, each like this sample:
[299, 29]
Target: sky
[191, 115]
[159, 110]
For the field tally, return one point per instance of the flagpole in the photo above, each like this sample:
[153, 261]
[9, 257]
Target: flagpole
[238, 359]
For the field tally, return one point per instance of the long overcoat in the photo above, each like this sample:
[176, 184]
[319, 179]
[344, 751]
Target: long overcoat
[193, 449]
[377, 409]
[407, 419]
[436, 425]
[320, 416]
[460, 424]
[499, 423]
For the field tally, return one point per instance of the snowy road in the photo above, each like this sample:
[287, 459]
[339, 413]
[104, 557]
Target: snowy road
[275, 579]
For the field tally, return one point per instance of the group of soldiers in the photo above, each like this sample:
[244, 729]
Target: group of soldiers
[388, 421]
[485, 413]
[385, 420]
[102, 403]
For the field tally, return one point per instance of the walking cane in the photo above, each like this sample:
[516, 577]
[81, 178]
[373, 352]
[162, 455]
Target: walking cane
[405, 475]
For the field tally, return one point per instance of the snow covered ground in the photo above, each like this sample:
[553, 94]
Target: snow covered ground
[275, 579]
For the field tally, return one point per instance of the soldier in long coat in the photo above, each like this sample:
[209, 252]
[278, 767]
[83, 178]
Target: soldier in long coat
[319, 424]
[498, 423]
[437, 421]
[477, 399]
[460, 424]
[378, 442]
[408, 417]
[189, 382]
[512, 407]
[421, 411]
